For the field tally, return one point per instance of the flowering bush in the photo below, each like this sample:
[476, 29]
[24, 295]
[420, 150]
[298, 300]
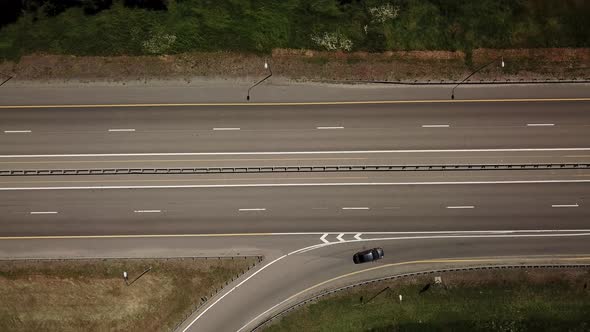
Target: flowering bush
[158, 43]
[333, 41]
[383, 13]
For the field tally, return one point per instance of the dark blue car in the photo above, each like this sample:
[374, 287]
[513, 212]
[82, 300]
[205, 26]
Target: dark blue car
[368, 255]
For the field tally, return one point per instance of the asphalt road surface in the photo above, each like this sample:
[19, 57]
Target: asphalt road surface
[340, 127]
[413, 215]
[315, 208]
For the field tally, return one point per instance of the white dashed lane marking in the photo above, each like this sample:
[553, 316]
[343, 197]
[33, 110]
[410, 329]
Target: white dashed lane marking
[540, 124]
[564, 205]
[121, 130]
[328, 128]
[17, 131]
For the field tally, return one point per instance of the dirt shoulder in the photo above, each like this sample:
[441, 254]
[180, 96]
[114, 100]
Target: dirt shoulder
[306, 65]
[485, 300]
[91, 295]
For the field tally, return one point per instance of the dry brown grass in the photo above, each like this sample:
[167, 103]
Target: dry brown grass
[305, 65]
[91, 295]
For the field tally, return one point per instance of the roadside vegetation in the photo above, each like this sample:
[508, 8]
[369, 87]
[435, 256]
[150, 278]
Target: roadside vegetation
[91, 295]
[513, 300]
[152, 27]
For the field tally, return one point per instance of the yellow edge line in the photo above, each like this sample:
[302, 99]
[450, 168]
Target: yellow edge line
[303, 103]
[130, 236]
[434, 261]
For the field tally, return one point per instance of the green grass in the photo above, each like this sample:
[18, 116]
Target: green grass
[261, 25]
[91, 295]
[480, 301]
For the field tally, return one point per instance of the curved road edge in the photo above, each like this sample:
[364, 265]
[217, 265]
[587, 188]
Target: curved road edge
[308, 271]
[463, 265]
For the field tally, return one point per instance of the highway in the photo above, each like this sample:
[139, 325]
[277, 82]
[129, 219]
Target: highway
[413, 214]
[444, 125]
[315, 208]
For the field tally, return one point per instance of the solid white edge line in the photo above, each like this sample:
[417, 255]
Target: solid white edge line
[121, 130]
[461, 207]
[43, 212]
[436, 126]
[405, 238]
[226, 128]
[17, 131]
[252, 209]
[163, 154]
[335, 184]
[540, 124]
[564, 205]
[248, 278]
[188, 326]
[147, 211]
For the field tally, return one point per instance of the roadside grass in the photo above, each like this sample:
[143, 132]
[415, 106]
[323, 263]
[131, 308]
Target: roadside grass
[91, 295]
[516, 300]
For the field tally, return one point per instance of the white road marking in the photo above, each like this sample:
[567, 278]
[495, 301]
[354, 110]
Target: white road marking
[228, 128]
[17, 131]
[564, 205]
[540, 124]
[461, 207]
[147, 211]
[253, 209]
[188, 326]
[358, 236]
[163, 154]
[323, 238]
[355, 208]
[334, 184]
[121, 130]
[337, 127]
[436, 126]
[43, 212]
[339, 237]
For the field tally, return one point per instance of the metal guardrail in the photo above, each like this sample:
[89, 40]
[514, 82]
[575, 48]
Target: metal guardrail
[288, 169]
[413, 274]
[507, 81]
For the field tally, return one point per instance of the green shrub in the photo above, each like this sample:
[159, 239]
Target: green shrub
[97, 27]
